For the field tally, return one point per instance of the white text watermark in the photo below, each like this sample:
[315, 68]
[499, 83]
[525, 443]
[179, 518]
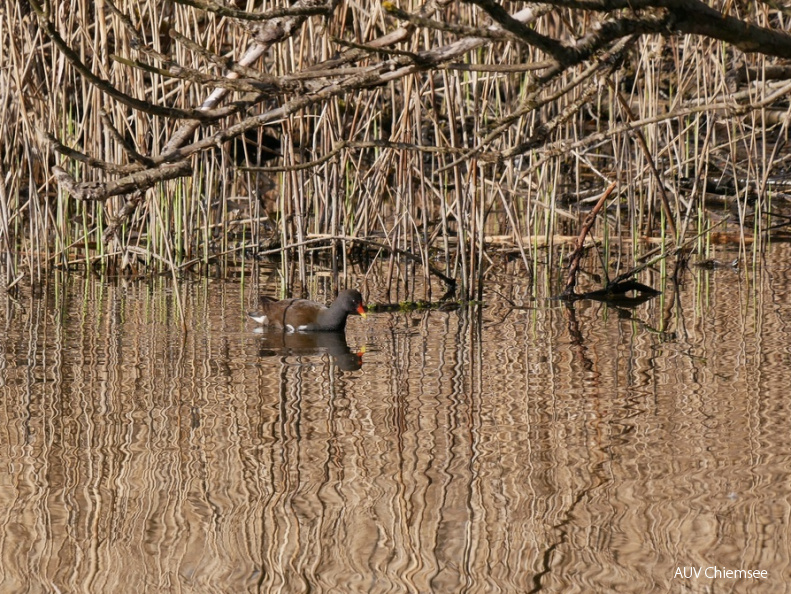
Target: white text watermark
[714, 572]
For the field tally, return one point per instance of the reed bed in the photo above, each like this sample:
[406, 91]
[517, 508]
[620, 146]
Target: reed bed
[344, 153]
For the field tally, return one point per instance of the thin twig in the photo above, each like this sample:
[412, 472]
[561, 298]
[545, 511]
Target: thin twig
[576, 256]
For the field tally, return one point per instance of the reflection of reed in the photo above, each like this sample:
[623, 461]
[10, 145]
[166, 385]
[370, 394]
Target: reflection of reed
[468, 453]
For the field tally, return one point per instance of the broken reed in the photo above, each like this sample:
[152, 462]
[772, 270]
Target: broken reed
[390, 164]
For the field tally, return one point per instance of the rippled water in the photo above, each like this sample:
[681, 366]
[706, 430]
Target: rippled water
[496, 450]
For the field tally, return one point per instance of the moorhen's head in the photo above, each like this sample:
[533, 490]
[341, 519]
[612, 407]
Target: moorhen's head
[350, 301]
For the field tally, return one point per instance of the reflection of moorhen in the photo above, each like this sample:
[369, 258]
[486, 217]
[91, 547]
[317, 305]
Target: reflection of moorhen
[301, 315]
[314, 343]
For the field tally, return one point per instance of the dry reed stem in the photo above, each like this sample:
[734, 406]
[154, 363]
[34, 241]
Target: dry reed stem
[369, 140]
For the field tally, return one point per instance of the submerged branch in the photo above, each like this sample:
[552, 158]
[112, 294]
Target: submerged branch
[576, 256]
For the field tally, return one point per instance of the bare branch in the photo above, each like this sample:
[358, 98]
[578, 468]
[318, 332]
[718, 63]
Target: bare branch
[100, 191]
[546, 44]
[106, 87]
[420, 21]
[291, 11]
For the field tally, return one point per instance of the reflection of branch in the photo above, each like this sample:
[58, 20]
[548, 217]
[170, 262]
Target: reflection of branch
[576, 338]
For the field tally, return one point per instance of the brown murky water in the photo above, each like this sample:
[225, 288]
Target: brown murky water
[547, 449]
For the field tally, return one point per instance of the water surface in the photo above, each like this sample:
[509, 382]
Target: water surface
[547, 449]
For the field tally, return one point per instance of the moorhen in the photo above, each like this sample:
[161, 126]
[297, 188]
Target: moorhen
[301, 315]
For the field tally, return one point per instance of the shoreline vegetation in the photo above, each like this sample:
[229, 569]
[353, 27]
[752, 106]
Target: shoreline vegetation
[143, 138]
